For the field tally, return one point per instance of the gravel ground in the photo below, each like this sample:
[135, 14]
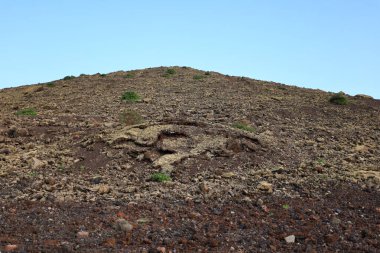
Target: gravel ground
[253, 166]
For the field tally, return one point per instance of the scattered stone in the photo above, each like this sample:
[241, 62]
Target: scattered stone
[161, 249]
[10, 247]
[37, 163]
[290, 239]
[104, 189]
[265, 186]
[83, 234]
[5, 151]
[96, 180]
[143, 220]
[228, 175]
[335, 221]
[203, 187]
[123, 225]
[331, 238]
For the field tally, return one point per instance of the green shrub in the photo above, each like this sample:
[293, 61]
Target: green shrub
[339, 99]
[129, 117]
[68, 78]
[197, 77]
[130, 96]
[243, 126]
[160, 177]
[207, 73]
[170, 71]
[50, 84]
[103, 75]
[27, 112]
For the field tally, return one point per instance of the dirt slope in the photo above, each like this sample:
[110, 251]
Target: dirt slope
[251, 163]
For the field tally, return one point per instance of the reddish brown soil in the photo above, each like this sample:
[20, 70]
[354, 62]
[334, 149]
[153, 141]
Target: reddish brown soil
[309, 168]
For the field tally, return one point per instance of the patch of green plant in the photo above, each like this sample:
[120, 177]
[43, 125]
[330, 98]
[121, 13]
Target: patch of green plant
[27, 112]
[197, 77]
[130, 96]
[82, 75]
[286, 206]
[103, 75]
[207, 73]
[160, 177]
[50, 84]
[339, 99]
[129, 75]
[68, 78]
[243, 126]
[129, 117]
[61, 167]
[33, 174]
[170, 71]
[321, 161]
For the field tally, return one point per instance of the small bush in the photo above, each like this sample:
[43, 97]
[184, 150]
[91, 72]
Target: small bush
[243, 126]
[103, 75]
[197, 77]
[68, 78]
[130, 117]
[50, 84]
[129, 75]
[170, 71]
[207, 73]
[339, 99]
[160, 177]
[130, 96]
[27, 112]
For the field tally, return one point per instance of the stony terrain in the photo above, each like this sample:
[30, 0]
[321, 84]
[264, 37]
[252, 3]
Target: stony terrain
[302, 175]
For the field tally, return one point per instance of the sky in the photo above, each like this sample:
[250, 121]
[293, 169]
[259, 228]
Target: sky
[333, 45]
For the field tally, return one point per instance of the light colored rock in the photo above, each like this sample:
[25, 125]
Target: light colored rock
[37, 163]
[83, 234]
[104, 189]
[10, 247]
[123, 225]
[228, 175]
[265, 186]
[290, 239]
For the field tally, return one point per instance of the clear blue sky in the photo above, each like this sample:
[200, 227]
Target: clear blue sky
[327, 44]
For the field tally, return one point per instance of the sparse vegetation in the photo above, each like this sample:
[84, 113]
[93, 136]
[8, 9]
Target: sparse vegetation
[68, 78]
[27, 112]
[103, 75]
[286, 206]
[170, 71]
[339, 99]
[321, 161]
[50, 84]
[197, 77]
[130, 96]
[129, 117]
[243, 126]
[160, 177]
[207, 73]
[129, 75]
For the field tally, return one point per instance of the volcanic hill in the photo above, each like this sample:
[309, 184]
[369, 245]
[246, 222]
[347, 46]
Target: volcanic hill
[182, 160]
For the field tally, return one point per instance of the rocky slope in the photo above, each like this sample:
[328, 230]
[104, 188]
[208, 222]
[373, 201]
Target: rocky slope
[254, 166]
